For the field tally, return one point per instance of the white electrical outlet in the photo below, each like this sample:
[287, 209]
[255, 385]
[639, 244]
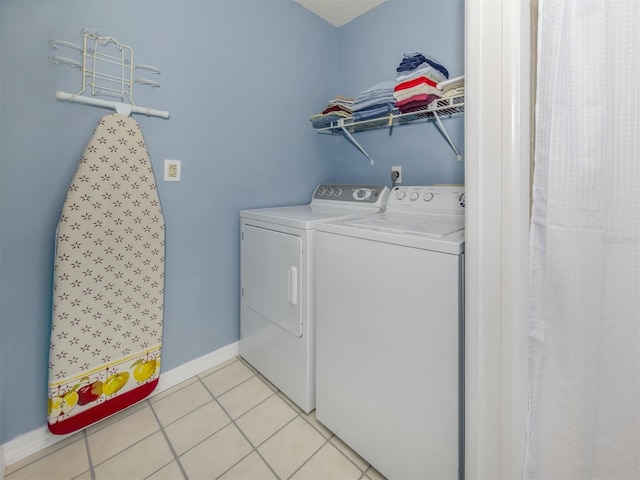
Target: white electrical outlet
[172, 170]
[398, 170]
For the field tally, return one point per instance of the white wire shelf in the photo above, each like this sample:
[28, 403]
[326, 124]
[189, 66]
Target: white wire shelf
[440, 108]
[443, 107]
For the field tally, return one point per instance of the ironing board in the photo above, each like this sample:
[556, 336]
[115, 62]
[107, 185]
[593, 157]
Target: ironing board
[106, 332]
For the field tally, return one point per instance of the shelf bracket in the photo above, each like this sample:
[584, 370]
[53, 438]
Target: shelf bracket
[446, 135]
[350, 137]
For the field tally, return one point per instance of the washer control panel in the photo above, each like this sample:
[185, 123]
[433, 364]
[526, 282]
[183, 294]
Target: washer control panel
[428, 199]
[350, 193]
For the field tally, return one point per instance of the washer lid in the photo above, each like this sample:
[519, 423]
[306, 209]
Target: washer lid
[437, 232]
[427, 225]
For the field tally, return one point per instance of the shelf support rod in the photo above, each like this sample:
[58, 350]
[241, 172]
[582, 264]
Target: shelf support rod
[446, 135]
[347, 134]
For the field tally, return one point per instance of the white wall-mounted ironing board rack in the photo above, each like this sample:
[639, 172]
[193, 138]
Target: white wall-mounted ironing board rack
[107, 69]
[124, 108]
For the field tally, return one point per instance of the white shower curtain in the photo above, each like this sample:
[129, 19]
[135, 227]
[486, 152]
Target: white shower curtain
[584, 357]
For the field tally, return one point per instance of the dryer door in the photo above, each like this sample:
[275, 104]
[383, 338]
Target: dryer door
[271, 276]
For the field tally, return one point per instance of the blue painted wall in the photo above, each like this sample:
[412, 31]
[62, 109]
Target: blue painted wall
[239, 87]
[370, 50]
[240, 79]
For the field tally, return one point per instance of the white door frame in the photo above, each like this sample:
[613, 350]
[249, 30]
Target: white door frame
[497, 159]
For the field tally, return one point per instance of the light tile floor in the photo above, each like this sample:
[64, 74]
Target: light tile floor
[228, 423]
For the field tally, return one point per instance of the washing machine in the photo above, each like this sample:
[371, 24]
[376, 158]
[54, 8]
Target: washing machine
[390, 333]
[277, 329]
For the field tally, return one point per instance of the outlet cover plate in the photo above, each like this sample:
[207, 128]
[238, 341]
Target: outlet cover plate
[171, 170]
[399, 170]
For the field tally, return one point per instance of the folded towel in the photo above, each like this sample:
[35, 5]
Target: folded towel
[322, 120]
[451, 83]
[374, 111]
[414, 82]
[412, 60]
[338, 108]
[413, 104]
[379, 94]
[423, 97]
[341, 101]
[418, 89]
[423, 70]
[456, 92]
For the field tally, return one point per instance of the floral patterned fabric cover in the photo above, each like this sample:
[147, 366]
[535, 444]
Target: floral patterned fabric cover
[108, 282]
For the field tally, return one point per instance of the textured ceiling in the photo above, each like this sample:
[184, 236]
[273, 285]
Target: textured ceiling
[339, 12]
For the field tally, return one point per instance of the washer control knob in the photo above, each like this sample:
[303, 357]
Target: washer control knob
[322, 191]
[400, 195]
[428, 196]
[330, 191]
[461, 200]
[414, 196]
[362, 193]
[338, 192]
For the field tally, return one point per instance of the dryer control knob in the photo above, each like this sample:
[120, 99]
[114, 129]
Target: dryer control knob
[330, 191]
[400, 195]
[322, 191]
[338, 192]
[414, 196]
[428, 196]
[362, 194]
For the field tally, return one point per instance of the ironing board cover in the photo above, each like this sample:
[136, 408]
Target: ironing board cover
[108, 292]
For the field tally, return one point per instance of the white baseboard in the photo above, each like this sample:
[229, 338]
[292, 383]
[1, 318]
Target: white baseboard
[195, 367]
[40, 438]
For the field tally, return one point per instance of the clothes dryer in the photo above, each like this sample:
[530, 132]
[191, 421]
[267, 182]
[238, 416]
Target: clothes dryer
[277, 329]
[389, 333]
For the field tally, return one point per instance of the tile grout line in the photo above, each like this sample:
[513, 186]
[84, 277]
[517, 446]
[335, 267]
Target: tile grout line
[303, 416]
[116, 417]
[198, 379]
[327, 437]
[92, 471]
[186, 414]
[125, 449]
[135, 443]
[56, 447]
[232, 421]
[176, 457]
[363, 471]
[326, 440]
[83, 436]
